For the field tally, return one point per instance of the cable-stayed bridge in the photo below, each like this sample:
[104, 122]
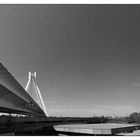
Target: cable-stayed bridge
[28, 102]
[14, 98]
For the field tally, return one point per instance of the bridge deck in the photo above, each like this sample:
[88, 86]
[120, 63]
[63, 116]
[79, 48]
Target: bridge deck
[97, 129]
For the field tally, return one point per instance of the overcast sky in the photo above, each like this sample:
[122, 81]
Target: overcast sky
[87, 57]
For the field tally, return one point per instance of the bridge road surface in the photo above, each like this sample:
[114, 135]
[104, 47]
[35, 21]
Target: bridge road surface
[96, 129]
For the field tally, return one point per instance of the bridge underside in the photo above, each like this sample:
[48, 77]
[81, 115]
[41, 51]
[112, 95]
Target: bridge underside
[14, 98]
[10, 110]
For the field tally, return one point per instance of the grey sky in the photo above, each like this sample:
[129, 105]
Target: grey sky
[87, 57]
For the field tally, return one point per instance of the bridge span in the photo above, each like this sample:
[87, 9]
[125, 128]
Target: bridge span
[14, 98]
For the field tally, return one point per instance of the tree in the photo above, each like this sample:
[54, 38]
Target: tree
[134, 118]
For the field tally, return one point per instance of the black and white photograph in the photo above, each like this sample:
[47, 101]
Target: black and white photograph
[69, 70]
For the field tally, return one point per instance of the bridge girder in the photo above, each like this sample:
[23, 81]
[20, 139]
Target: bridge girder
[14, 98]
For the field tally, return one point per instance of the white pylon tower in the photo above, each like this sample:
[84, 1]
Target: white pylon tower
[34, 91]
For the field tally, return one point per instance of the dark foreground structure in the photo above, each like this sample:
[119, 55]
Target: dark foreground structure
[44, 129]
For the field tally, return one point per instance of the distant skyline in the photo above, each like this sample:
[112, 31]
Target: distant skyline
[87, 57]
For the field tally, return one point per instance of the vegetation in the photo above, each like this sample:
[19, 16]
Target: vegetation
[118, 119]
[60, 120]
[132, 118]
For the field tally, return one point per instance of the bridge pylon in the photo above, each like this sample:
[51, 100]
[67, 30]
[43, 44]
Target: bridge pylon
[33, 90]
